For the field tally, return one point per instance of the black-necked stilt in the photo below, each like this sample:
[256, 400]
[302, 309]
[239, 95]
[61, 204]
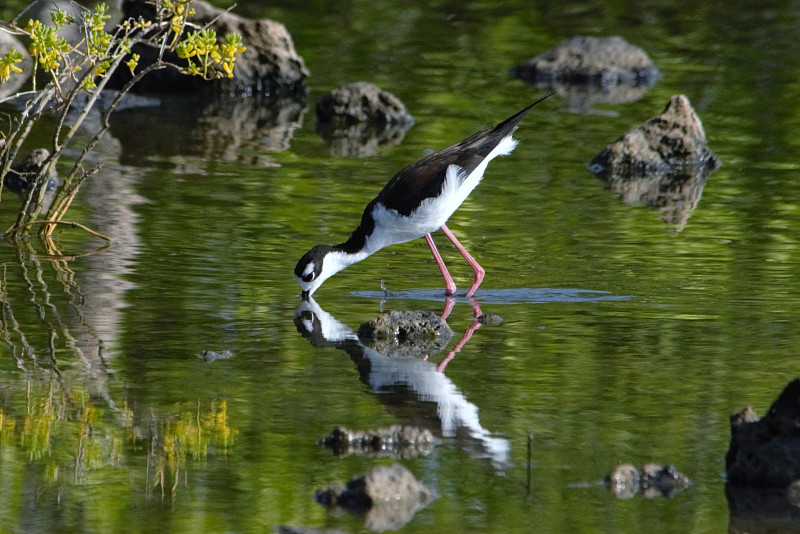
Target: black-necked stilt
[416, 202]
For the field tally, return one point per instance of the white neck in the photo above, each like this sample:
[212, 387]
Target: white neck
[335, 261]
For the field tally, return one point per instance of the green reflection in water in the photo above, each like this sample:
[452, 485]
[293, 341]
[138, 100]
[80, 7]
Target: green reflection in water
[109, 422]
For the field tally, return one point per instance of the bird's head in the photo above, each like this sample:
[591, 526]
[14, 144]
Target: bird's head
[317, 265]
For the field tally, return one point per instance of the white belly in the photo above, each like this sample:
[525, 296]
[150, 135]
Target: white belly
[392, 228]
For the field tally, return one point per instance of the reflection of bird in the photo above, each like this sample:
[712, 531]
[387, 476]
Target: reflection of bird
[410, 386]
[417, 201]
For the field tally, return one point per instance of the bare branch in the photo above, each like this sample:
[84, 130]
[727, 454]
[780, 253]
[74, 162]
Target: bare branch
[70, 224]
[215, 19]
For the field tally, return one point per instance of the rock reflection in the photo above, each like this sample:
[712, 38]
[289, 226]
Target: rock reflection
[386, 498]
[396, 441]
[362, 139]
[761, 510]
[415, 389]
[675, 196]
[227, 128]
[582, 99]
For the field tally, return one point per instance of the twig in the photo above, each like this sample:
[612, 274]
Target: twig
[61, 210]
[219, 16]
[528, 466]
[70, 224]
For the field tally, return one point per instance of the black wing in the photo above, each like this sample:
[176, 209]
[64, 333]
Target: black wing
[424, 178]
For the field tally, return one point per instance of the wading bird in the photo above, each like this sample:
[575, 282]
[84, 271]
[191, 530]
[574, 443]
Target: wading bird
[416, 202]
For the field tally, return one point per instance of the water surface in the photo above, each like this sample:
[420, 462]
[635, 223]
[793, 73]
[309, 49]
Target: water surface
[624, 338]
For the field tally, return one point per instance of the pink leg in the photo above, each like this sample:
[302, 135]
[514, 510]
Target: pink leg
[479, 272]
[448, 280]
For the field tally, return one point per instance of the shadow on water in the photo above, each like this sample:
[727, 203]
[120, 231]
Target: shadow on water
[414, 389]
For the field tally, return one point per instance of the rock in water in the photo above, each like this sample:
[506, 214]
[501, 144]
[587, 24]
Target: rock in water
[406, 333]
[766, 451]
[269, 65]
[601, 61]
[650, 480]
[490, 319]
[358, 118]
[624, 481]
[362, 102]
[672, 142]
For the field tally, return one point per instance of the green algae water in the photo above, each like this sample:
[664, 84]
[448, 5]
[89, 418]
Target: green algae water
[174, 382]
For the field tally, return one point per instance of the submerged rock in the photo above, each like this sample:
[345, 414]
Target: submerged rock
[396, 441]
[214, 355]
[624, 481]
[601, 61]
[651, 480]
[406, 333]
[387, 497]
[490, 319]
[673, 142]
[662, 480]
[766, 451]
[270, 63]
[356, 119]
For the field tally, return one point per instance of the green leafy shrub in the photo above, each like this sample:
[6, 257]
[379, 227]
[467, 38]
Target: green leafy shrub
[86, 66]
